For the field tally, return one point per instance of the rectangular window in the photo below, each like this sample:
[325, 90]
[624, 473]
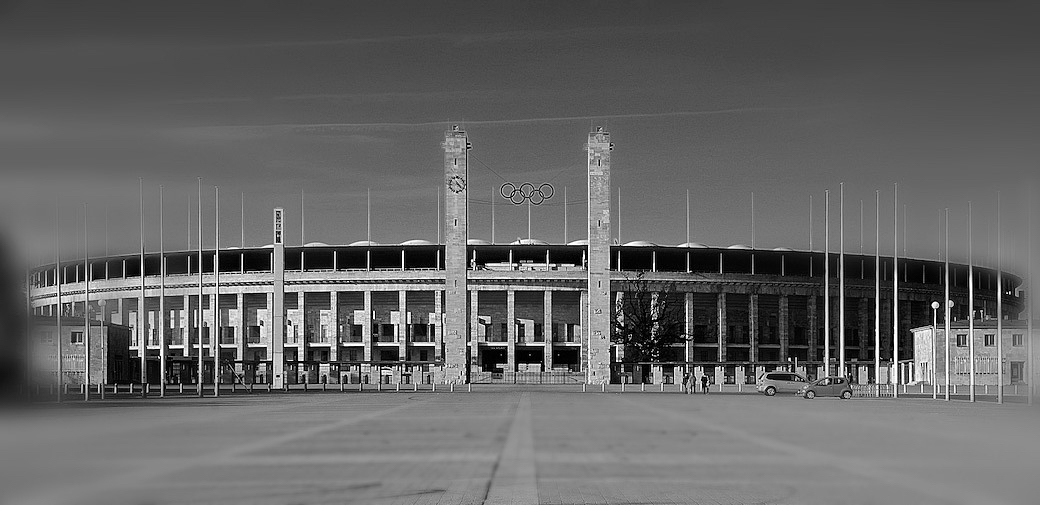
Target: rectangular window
[1016, 340]
[962, 340]
[355, 330]
[77, 337]
[989, 340]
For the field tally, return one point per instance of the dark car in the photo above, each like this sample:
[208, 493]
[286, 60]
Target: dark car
[837, 387]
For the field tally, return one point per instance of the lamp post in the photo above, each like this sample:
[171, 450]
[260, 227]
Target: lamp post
[935, 355]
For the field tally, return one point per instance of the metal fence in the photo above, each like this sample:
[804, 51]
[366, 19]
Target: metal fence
[527, 378]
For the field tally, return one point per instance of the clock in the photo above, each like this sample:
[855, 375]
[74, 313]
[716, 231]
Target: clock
[456, 184]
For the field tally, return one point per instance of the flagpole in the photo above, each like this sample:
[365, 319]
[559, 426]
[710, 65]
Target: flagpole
[142, 326]
[163, 351]
[493, 218]
[949, 302]
[971, 314]
[303, 222]
[810, 236]
[59, 278]
[1000, 315]
[439, 222]
[242, 224]
[895, 290]
[752, 233]
[1031, 387]
[877, 287]
[369, 207]
[841, 281]
[826, 283]
[214, 339]
[687, 217]
[198, 316]
[564, 214]
[86, 309]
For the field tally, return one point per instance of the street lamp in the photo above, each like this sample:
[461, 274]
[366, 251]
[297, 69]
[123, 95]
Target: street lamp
[935, 354]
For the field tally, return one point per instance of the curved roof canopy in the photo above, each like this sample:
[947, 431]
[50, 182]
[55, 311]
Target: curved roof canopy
[529, 241]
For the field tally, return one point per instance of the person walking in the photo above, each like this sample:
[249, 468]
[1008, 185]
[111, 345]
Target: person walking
[686, 383]
[704, 384]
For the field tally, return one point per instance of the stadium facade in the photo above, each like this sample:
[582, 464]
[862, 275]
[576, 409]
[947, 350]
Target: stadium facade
[470, 311]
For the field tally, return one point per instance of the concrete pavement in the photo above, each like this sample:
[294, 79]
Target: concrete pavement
[498, 445]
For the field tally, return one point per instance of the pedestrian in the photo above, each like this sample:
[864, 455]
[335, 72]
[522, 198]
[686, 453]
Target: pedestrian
[686, 383]
[704, 384]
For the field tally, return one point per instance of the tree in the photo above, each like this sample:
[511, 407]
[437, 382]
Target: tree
[649, 317]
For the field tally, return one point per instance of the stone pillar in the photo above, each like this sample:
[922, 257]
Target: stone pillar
[597, 321]
[688, 310]
[813, 336]
[187, 322]
[753, 339]
[366, 326]
[547, 331]
[722, 327]
[511, 331]
[587, 354]
[278, 303]
[240, 331]
[785, 338]
[438, 335]
[456, 233]
[334, 341]
[302, 342]
[474, 346]
[403, 331]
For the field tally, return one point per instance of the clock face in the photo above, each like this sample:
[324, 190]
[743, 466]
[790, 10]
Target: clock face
[456, 183]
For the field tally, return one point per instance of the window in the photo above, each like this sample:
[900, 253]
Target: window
[77, 337]
[962, 340]
[46, 337]
[989, 340]
[1016, 340]
[355, 330]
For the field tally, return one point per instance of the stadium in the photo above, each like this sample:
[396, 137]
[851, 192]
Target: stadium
[470, 311]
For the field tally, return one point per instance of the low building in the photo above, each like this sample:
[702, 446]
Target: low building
[110, 359]
[1013, 348]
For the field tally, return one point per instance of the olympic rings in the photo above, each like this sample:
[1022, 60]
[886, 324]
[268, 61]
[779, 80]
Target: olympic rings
[527, 192]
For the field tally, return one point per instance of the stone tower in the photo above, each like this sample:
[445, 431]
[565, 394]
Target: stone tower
[456, 233]
[597, 348]
[278, 302]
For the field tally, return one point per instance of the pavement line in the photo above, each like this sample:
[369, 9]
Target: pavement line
[855, 467]
[513, 481]
[75, 494]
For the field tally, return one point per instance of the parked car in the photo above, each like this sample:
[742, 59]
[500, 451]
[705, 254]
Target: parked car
[772, 383]
[828, 386]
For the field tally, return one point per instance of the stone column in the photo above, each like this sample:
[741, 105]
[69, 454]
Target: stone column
[438, 336]
[456, 233]
[813, 335]
[240, 333]
[187, 322]
[785, 338]
[404, 332]
[547, 331]
[474, 346]
[511, 331]
[597, 293]
[301, 299]
[366, 326]
[688, 308]
[334, 341]
[753, 338]
[722, 326]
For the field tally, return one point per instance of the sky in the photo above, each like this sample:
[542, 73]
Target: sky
[270, 100]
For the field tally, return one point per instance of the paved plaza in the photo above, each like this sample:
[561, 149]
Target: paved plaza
[504, 446]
